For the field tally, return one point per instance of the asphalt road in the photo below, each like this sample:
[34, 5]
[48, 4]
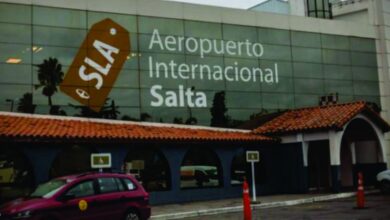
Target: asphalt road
[377, 207]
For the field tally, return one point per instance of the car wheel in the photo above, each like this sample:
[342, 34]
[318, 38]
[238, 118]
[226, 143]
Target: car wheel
[385, 186]
[131, 215]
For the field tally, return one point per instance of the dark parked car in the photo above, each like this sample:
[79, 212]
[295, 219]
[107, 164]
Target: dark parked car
[383, 179]
[91, 196]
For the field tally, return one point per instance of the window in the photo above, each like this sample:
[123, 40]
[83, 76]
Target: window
[150, 167]
[82, 189]
[200, 168]
[107, 185]
[129, 184]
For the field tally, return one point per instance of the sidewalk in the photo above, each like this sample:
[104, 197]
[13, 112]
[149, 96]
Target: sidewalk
[179, 211]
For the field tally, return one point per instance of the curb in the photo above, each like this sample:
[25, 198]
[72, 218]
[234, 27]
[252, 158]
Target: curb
[225, 210]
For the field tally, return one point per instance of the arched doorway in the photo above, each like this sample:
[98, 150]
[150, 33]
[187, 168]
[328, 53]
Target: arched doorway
[360, 152]
[150, 167]
[72, 160]
[16, 175]
[200, 168]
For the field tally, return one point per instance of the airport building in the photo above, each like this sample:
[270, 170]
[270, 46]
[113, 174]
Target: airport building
[177, 93]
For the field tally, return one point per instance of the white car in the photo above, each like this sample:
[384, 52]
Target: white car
[384, 181]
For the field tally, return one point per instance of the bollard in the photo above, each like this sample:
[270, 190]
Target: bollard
[246, 201]
[360, 192]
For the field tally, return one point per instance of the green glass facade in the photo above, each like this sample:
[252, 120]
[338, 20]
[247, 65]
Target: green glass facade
[304, 65]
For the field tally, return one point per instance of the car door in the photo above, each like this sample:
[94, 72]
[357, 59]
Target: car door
[111, 197]
[79, 202]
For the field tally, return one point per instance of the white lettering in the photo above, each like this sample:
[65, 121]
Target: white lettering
[155, 94]
[106, 50]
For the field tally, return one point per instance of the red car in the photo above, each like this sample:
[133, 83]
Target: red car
[91, 196]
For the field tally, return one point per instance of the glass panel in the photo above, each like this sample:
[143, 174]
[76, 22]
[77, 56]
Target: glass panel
[82, 189]
[243, 100]
[335, 42]
[202, 116]
[337, 72]
[58, 98]
[366, 88]
[284, 69]
[306, 54]
[308, 70]
[364, 59]
[124, 97]
[306, 100]
[286, 84]
[239, 116]
[15, 73]
[273, 36]
[309, 86]
[365, 73]
[305, 39]
[15, 33]
[164, 26]
[162, 114]
[129, 185]
[107, 185]
[203, 30]
[15, 13]
[274, 52]
[129, 22]
[52, 36]
[278, 100]
[339, 86]
[15, 54]
[336, 57]
[59, 17]
[127, 79]
[11, 96]
[239, 33]
[363, 44]
[64, 55]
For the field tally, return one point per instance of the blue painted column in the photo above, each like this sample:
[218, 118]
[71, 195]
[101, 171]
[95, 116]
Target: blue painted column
[225, 156]
[41, 158]
[174, 157]
[118, 155]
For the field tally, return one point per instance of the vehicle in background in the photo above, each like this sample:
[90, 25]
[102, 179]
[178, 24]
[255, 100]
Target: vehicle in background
[383, 179]
[199, 176]
[87, 196]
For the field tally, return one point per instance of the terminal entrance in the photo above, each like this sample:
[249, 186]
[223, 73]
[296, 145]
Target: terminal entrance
[360, 152]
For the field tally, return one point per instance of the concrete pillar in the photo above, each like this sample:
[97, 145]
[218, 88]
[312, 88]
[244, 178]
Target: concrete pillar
[335, 151]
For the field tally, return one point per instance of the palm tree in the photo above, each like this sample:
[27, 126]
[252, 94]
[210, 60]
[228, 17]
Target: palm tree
[50, 75]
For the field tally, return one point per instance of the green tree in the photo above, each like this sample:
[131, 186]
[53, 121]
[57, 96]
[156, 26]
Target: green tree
[108, 111]
[218, 111]
[25, 103]
[50, 75]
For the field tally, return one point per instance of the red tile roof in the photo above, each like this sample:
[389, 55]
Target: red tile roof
[319, 118]
[20, 127]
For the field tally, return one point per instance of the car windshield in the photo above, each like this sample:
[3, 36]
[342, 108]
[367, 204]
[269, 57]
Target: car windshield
[48, 189]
